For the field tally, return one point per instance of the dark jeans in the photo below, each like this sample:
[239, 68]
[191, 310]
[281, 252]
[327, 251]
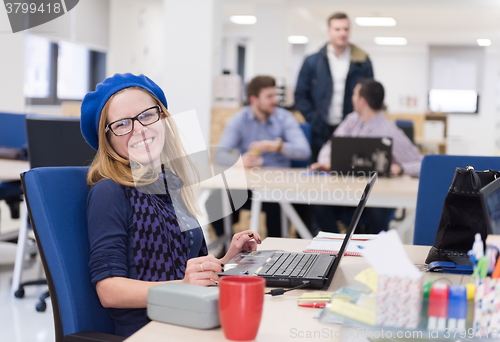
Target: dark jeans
[272, 210]
[374, 220]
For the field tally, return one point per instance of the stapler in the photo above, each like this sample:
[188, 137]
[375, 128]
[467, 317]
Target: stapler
[449, 267]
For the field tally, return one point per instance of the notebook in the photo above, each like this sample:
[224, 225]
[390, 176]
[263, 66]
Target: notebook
[326, 242]
[361, 156]
[286, 269]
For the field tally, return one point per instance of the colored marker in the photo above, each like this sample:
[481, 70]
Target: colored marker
[496, 271]
[457, 307]
[438, 306]
[478, 247]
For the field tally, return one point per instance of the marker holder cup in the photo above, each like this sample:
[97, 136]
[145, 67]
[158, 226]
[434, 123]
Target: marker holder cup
[487, 308]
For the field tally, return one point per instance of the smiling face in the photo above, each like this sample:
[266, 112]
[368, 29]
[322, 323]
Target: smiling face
[145, 143]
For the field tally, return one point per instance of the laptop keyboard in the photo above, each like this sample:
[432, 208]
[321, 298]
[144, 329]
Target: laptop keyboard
[288, 264]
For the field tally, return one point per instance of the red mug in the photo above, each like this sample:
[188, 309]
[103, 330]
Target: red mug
[241, 299]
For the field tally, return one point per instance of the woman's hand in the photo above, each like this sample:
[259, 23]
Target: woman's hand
[202, 271]
[320, 167]
[243, 241]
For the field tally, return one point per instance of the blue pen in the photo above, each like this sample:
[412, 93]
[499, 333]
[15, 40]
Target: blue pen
[457, 307]
[314, 173]
[361, 247]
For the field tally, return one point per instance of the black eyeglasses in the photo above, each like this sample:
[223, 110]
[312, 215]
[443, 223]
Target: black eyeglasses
[125, 126]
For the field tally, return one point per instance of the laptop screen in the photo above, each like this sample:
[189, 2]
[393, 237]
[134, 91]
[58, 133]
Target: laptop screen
[361, 156]
[490, 198]
[352, 226]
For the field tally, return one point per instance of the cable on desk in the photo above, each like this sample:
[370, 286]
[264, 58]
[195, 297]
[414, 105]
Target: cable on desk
[278, 292]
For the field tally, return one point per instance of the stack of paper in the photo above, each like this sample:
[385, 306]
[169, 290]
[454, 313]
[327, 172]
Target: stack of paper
[326, 242]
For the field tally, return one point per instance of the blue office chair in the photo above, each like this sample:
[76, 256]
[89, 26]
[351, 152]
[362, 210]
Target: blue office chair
[436, 175]
[13, 135]
[306, 128]
[56, 198]
[408, 129]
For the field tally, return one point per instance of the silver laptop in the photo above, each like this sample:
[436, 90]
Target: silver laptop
[286, 269]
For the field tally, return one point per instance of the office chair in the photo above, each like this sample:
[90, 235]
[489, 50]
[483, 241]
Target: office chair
[436, 174]
[56, 198]
[408, 129]
[52, 141]
[13, 135]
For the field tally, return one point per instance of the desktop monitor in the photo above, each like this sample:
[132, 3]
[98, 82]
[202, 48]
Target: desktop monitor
[453, 101]
[490, 199]
[57, 141]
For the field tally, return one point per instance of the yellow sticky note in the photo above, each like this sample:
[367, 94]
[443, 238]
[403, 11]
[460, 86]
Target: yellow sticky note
[369, 277]
[318, 297]
[353, 311]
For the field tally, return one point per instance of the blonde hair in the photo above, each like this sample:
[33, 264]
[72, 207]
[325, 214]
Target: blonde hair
[108, 164]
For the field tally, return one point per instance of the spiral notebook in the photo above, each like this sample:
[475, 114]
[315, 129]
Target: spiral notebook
[326, 242]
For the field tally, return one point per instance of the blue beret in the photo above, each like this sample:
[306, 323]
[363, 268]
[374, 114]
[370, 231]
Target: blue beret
[94, 101]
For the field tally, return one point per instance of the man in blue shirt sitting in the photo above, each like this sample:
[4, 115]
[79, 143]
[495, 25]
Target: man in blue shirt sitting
[266, 136]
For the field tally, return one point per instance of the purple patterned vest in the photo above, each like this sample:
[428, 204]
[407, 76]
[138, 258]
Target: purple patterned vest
[160, 247]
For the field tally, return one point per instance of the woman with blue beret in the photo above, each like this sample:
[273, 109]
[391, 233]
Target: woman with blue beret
[141, 219]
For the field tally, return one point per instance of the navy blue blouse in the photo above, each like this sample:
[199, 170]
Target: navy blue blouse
[110, 227]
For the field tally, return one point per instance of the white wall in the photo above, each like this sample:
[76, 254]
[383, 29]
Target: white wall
[137, 39]
[403, 72]
[86, 24]
[171, 44]
[189, 60]
[475, 134]
[11, 67]
[270, 44]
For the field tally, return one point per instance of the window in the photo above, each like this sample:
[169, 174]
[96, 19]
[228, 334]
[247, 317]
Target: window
[60, 71]
[37, 68]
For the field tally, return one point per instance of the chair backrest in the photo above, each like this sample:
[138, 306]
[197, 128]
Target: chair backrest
[306, 129]
[56, 141]
[56, 199]
[12, 130]
[408, 129]
[436, 175]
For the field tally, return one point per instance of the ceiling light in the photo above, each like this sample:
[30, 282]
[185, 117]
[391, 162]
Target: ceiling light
[390, 41]
[375, 21]
[483, 42]
[243, 19]
[298, 39]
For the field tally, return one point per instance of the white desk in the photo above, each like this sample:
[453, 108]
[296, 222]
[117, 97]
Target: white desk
[294, 185]
[11, 169]
[286, 186]
[281, 314]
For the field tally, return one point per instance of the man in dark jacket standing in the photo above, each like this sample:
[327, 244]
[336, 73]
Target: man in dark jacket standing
[327, 79]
